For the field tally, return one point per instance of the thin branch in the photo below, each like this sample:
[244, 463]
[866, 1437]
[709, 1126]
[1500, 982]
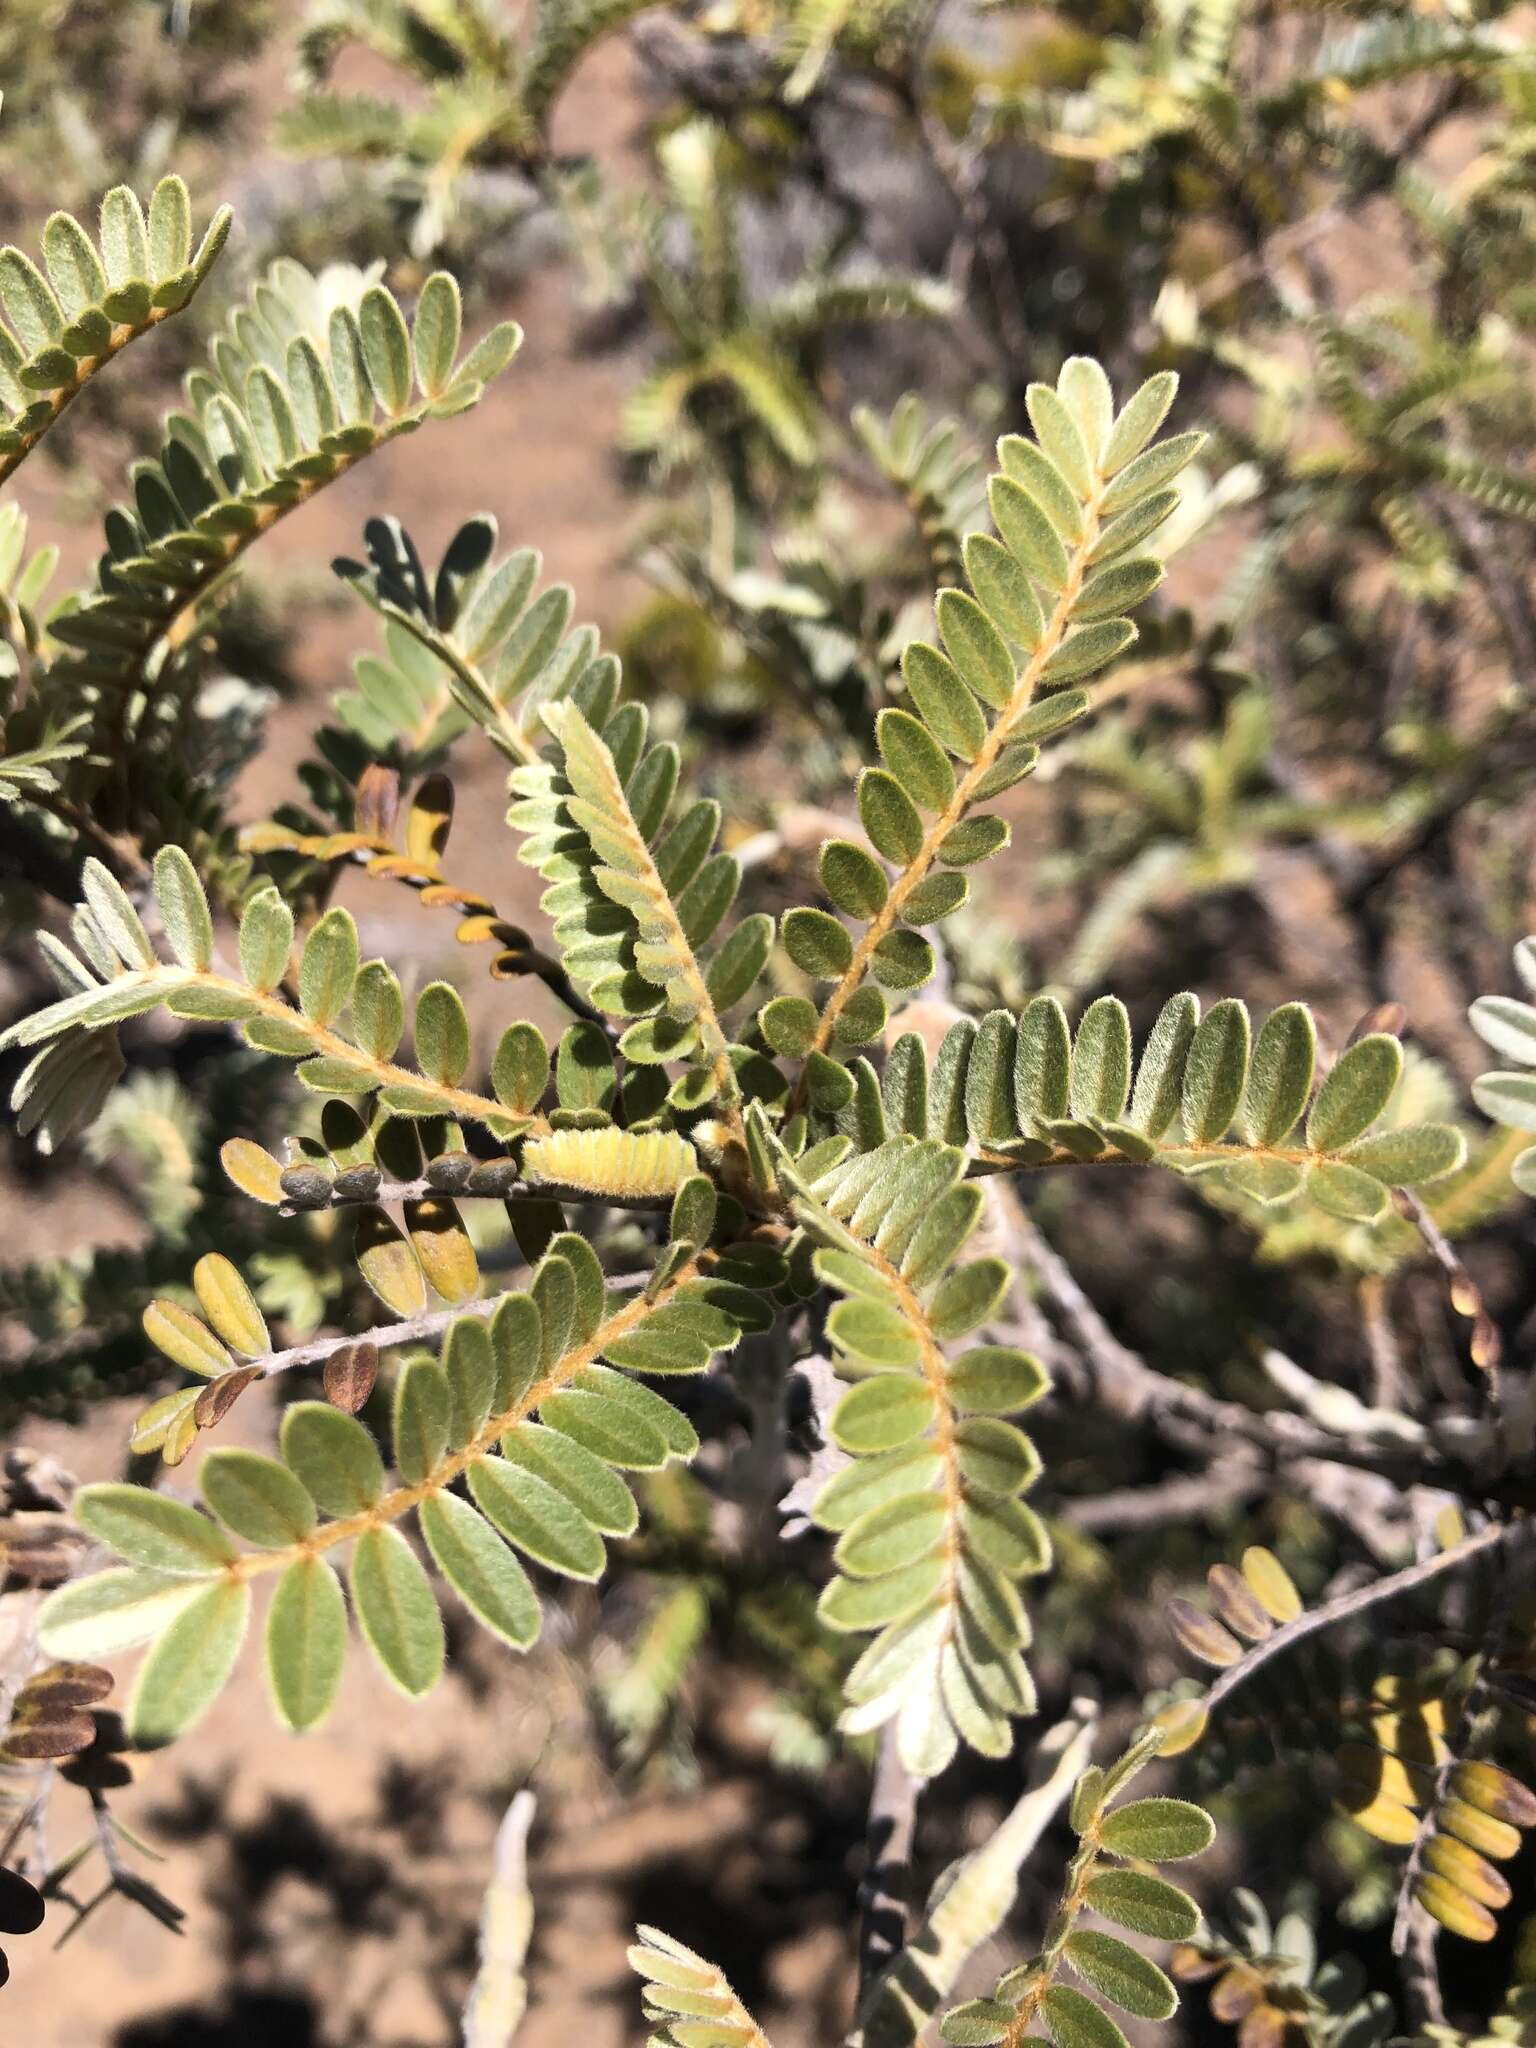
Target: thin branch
[1466, 1295]
[418, 1329]
[888, 1858]
[1126, 1387]
[1356, 1602]
[1187, 1498]
[479, 1182]
[973, 1898]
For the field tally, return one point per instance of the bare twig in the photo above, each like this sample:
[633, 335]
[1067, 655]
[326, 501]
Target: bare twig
[828, 1458]
[1183, 1499]
[1126, 1387]
[1391, 1588]
[888, 1858]
[972, 1899]
[1466, 1295]
[413, 1330]
[1420, 1972]
[357, 1186]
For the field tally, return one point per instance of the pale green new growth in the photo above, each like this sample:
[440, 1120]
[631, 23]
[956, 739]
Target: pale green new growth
[57, 330]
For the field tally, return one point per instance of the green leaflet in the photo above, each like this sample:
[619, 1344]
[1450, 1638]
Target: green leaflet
[1101, 1061]
[968, 1297]
[1028, 533]
[1117, 1972]
[937, 1241]
[610, 1430]
[1507, 1025]
[520, 1071]
[536, 1518]
[1160, 1075]
[480, 1568]
[1145, 1904]
[1057, 432]
[944, 703]
[1074, 2021]
[1138, 420]
[186, 1670]
[183, 908]
[870, 1481]
[876, 1334]
[1117, 588]
[977, 2023]
[333, 1457]
[1087, 650]
[1085, 392]
[1345, 1191]
[882, 1413]
[1158, 1830]
[387, 346]
[1407, 1157]
[856, 884]
[256, 1497]
[328, 967]
[435, 333]
[1280, 1075]
[1042, 479]
[1150, 471]
[694, 1208]
[266, 939]
[378, 1010]
[889, 1537]
[147, 1529]
[442, 1034]
[976, 648]
[552, 1463]
[974, 839]
[995, 1380]
[1004, 590]
[1215, 1072]
[914, 759]
[422, 1418]
[306, 1642]
[889, 816]
[469, 1364]
[1042, 1062]
[1507, 1098]
[112, 1610]
[1357, 1090]
[734, 971]
[396, 1610]
[674, 1428]
[816, 943]
[115, 917]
